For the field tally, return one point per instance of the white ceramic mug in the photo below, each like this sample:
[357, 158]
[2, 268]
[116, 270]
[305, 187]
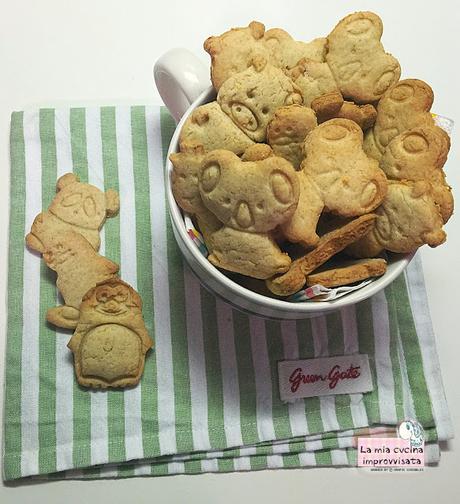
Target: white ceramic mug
[183, 83]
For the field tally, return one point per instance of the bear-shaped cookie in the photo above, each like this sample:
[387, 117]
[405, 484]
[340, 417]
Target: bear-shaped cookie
[250, 98]
[407, 219]
[250, 199]
[80, 207]
[404, 106]
[420, 154]
[209, 128]
[357, 59]
[285, 52]
[110, 340]
[287, 130]
[233, 51]
[79, 268]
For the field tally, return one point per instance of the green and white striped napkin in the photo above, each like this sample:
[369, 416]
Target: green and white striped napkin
[208, 399]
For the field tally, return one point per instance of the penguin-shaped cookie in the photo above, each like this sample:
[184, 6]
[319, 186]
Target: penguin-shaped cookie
[111, 340]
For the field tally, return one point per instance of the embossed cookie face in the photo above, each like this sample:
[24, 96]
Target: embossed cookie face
[80, 204]
[336, 138]
[290, 124]
[110, 340]
[404, 106]
[209, 128]
[357, 59]
[350, 183]
[184, 180]
[416, 153]
[250, 98]
[408, 218]
[112, 300]
[60, 252]
[249, 196]
[364, 193]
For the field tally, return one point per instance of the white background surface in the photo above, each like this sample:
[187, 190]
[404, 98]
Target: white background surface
[56, 52]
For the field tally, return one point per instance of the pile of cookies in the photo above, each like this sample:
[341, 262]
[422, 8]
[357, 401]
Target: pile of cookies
[316, 144]
[110, 339]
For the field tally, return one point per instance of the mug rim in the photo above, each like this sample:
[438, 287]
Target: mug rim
[278, 305]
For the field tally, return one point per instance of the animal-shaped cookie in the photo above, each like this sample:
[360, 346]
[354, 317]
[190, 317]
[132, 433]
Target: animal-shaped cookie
[407, 219]
[209, 128]
[110, 340]
[420, 154]
[336, 176]
[285, 52]
[251, 97]
[250, 199]
[348, 272]
[329, 244]
[287, 130]
[301, 227]
[184, 185]
[363, 115]
[80, 207]
[233, 51]
[357, 59]
[318, 87]
[349, 182]
[404, 106]
[79, 268]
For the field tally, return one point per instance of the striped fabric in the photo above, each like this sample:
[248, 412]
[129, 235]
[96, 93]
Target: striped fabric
[208, 399]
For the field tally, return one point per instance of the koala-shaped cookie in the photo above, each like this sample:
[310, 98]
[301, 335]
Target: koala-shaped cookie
[233, 51]
[349, 182]
[209, 128]
[285, 52]
[110, 340]
[251, 97]
[404, 106]
[301, 227]
[420, 154]
[287, 130]
[80, 207]
[250, 199]
[357, 59]
[407, 219]
[184, 185]
[318, 87]
[79, 268]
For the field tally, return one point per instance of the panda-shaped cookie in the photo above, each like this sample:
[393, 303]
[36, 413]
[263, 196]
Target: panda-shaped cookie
[111, 340]
[77, 207]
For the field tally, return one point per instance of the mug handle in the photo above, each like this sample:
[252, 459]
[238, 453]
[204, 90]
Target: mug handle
[180, 78]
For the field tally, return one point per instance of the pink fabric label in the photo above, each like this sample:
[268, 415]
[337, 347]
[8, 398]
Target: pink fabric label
[348, 374]
[390, 452]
